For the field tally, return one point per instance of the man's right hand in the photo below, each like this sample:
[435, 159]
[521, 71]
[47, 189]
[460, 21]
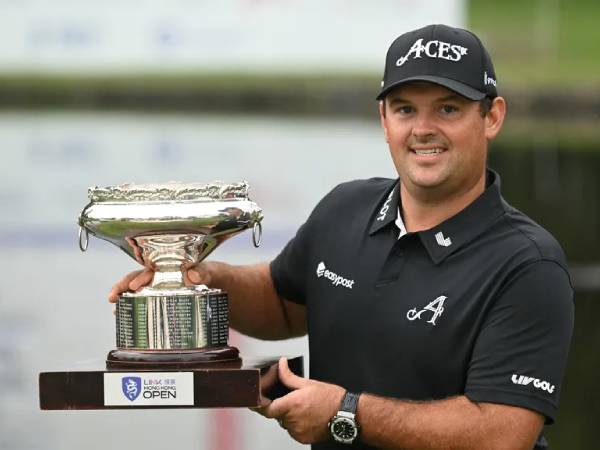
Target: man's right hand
[136, 280]
[255, 308]
[133, 281]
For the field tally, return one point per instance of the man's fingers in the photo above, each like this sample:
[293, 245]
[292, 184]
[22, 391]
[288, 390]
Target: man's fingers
[276, 409]
[269, 377]
[123, 284]
[280, 406]
[288, 378]
[194, 276]
[142, 279]
[262, 409]
[197, 274]
[186, 279]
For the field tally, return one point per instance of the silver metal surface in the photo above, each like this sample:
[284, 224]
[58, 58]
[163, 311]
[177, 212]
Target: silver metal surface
[167, 227]
[163, 226]
[171, 191]
[174, 320]
[83, 239]
[257, 234]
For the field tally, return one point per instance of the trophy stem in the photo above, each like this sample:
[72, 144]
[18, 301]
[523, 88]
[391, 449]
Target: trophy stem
[166, 254]
[168, 279]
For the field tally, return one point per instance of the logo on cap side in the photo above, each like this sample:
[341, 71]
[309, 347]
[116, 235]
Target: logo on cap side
[487, 80]
[434, 49]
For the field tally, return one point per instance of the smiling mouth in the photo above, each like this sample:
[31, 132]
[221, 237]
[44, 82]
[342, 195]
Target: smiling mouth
[428, 151]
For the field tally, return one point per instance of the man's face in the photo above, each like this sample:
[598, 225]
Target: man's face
[437, 138]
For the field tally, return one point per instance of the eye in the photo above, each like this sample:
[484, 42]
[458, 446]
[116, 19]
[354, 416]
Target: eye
[448, 109]
[405, 109]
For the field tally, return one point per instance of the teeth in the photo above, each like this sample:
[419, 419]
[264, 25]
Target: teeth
[431, 151]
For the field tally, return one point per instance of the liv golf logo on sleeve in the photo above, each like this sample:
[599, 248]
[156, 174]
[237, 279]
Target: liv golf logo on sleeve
[149, 389]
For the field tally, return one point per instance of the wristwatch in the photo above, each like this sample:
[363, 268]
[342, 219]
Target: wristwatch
[343, 425]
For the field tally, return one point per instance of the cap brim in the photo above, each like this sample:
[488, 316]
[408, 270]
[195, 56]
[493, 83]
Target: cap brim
[453, 85]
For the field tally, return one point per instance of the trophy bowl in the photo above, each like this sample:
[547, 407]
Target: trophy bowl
[166, 227]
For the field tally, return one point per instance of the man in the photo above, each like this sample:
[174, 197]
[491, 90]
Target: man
[438, 316]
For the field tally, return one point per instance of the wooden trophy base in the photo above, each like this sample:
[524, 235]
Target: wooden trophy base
[216, 383]
[129, 359]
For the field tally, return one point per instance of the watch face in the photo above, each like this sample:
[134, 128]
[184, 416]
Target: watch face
[343, 429]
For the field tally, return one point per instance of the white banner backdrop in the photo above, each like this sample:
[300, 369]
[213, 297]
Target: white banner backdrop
[88, 36]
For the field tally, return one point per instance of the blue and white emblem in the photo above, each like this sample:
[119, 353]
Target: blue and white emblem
[132, 386]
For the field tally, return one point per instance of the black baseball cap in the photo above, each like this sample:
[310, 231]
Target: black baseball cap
[451, 57]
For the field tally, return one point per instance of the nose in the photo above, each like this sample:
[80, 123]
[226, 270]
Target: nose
[424, 127]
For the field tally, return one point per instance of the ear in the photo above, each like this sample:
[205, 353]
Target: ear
[495, 118]
[382, 118]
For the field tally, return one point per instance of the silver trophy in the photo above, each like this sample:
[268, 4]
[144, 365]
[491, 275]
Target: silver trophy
[167, 227]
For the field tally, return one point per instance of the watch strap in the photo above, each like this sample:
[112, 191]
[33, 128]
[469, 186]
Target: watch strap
[349, 402]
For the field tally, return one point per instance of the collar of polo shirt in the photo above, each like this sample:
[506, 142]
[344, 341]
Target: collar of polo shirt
[447, 237]
[400, 224]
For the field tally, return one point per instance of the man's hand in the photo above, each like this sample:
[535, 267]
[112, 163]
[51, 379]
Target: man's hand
[196, 274]
[133, 281]
[255, 308]
[192, 274]
[305, 411]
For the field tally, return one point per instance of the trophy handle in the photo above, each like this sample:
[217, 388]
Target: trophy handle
[257, 234]
[84, 238]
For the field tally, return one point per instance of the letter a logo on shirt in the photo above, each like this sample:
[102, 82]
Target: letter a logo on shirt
[436, 307]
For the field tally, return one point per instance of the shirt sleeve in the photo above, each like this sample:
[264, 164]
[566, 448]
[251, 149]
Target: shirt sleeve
[520, 355]
[289, 267]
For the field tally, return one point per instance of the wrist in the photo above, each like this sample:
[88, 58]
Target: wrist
[218, 274]
[344, 427]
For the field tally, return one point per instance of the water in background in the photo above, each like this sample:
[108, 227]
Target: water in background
[53, 309]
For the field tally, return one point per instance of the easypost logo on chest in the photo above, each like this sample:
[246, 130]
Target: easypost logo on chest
[434, 49]
[336, 280]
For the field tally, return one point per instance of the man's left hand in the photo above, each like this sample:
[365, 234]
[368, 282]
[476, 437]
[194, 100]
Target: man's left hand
[306, 411]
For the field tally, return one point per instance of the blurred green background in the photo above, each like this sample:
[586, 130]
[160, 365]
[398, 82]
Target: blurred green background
[541, 43]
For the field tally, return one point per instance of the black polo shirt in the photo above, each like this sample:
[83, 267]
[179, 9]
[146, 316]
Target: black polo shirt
[480, 305]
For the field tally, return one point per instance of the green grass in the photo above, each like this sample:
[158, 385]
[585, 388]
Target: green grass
[531, 45]
[184, 81]
[570, 135]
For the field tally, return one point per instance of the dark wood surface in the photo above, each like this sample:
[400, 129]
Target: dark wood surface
[214, 387]
[125, 359]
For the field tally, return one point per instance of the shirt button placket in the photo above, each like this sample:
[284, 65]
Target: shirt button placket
[393, 265]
